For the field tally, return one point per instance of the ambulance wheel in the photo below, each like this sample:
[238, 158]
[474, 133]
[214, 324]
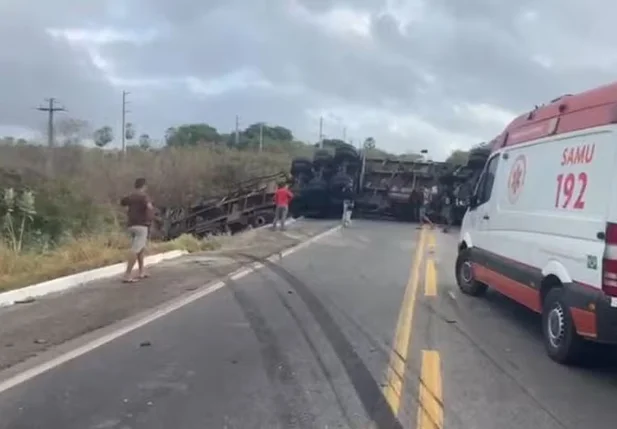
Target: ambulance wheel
[465, 278]
[562, 342]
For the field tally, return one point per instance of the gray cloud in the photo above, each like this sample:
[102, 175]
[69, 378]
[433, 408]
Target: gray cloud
[431, 68]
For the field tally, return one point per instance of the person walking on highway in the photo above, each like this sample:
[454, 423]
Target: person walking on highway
[140, 213]
[347, 205]
[282, 198]
[446, 210]
[424, 205]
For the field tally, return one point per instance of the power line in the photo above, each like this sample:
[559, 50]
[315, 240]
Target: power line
[50, 108]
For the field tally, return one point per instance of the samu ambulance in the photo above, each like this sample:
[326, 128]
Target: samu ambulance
[541, 227]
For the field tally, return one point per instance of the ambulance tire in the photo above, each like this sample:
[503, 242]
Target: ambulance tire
[464, 276]
[562, 342]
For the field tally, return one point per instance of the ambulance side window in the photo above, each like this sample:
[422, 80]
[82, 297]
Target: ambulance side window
[488, 179]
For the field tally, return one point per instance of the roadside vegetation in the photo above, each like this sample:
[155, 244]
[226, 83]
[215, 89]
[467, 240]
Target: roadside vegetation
[59, 211]
[59, 208]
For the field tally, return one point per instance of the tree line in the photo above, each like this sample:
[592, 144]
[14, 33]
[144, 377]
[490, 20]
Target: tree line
[71, 131]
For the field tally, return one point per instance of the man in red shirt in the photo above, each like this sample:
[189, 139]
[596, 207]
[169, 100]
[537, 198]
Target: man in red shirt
[282, 197]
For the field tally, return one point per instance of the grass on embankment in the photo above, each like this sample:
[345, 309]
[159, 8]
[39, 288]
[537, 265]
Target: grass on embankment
[81, 254]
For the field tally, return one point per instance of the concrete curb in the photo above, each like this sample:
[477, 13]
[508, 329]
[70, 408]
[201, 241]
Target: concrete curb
[68, 282]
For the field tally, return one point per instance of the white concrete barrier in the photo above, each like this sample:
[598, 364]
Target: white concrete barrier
[68, 282]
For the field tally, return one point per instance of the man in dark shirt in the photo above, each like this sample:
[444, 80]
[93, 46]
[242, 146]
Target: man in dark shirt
[140, 213]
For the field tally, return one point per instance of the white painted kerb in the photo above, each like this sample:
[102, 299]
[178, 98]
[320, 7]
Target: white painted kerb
[68, 282]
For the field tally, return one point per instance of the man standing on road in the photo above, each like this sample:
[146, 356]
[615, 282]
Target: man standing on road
[347, 205]
[282, 198]
[425, 203]
[446, 209]
[140, 213]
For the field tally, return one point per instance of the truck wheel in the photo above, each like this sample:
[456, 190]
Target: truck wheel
[562, 342]
[464, 276]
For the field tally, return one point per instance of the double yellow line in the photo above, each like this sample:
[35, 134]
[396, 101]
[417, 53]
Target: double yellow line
[430, 405]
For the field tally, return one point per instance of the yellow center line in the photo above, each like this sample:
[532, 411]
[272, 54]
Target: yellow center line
[430, 396]
[430, 278]
[402, 337]
[431, 241]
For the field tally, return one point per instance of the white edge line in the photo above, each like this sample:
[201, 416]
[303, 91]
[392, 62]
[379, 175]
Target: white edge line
[96, 343]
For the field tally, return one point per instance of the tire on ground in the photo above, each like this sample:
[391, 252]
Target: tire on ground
[262, 218]
[464, 275]
[562, 342]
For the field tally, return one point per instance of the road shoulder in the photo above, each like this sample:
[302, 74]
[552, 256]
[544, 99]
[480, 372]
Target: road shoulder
[29, 330]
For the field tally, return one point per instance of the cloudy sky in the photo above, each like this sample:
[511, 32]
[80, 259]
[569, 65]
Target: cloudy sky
[414, 74]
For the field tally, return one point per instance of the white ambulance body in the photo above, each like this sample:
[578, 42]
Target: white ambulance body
[542, 224]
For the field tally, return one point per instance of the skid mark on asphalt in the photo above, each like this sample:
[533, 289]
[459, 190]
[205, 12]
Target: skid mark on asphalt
[289, 397]
[315, 352]
[367, 388]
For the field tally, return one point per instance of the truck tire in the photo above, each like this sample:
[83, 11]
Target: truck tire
[346, 153]
[322, 154]
[477, 157]
[301, 165]
[562, 342]
[262, 218]
[464, 276]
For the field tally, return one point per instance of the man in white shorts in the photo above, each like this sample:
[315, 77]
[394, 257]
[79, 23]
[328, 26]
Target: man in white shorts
[348, 205]
[140, 213]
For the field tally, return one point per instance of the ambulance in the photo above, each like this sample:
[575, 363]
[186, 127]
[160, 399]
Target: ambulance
[541, 226]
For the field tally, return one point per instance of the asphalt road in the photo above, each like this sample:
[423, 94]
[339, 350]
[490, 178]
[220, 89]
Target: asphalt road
[336, 335]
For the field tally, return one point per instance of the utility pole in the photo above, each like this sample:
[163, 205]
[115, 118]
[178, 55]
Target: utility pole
[344, 134]
[124, 112]
[237, 131]
[261, 137]
[321, 132]
[50, 108]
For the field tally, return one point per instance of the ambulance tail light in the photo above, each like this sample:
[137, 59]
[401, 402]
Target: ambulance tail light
[609, 262]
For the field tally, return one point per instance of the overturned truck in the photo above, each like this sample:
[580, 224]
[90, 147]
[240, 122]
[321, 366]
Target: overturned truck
[461, 181]
[249, 204]
[383, 186]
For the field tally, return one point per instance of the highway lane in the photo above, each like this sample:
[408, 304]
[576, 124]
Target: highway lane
[495, 370]
[301, 345]
[359, 326]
